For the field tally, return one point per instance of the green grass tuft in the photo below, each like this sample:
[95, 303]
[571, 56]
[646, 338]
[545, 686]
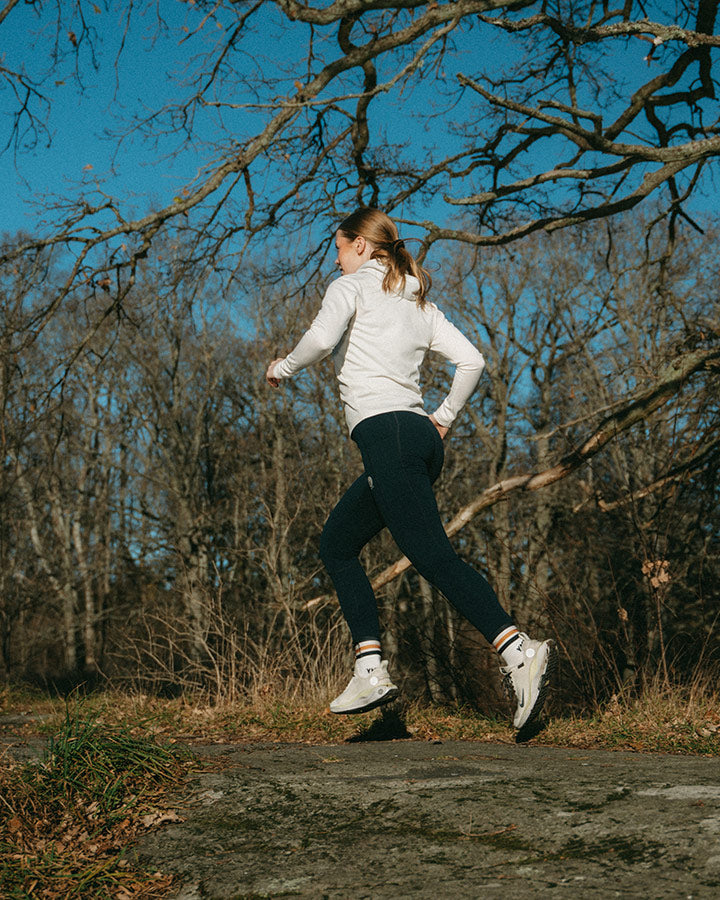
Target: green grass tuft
[66, 820]
[105, 764]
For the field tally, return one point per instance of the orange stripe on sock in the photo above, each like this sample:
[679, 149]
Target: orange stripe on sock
[505, 636]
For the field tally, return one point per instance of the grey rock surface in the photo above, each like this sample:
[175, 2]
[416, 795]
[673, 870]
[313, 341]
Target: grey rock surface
[445, 820]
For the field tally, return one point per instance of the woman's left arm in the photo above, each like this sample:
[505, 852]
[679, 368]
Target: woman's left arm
[469, 364]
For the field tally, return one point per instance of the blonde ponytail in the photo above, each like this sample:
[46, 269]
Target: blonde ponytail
[379, 229]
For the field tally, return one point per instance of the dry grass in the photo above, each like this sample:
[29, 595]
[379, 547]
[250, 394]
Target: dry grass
[661, 719]
[66, 822]
[678, 720]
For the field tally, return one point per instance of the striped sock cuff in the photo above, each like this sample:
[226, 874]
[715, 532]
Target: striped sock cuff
[506, 637]
[367, 648]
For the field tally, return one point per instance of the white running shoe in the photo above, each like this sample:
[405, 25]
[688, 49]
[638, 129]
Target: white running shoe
[529, 679]
[366, 692]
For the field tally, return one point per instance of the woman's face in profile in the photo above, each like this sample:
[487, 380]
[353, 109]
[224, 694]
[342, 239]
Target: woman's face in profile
[351, 254]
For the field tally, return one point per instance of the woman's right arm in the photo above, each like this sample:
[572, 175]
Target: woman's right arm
[321, 338]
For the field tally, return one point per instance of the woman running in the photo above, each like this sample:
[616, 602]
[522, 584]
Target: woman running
[378, 324]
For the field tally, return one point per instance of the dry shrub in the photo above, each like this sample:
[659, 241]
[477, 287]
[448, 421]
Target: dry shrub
[297, 655]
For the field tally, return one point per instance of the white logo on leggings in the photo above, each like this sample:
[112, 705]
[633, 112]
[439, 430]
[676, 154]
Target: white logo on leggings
[370, 482]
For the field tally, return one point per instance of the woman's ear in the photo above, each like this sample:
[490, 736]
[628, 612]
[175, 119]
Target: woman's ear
[360, 244]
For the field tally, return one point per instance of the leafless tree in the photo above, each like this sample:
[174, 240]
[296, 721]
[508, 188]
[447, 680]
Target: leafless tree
[588, 111]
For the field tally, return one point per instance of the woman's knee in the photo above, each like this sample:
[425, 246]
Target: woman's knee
[333, 550]
[327, 546]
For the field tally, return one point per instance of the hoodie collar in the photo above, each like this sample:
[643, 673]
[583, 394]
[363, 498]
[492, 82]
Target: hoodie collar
[372, 264]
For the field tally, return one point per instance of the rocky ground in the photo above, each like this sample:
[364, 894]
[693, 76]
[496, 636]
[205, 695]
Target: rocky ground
[396, 819]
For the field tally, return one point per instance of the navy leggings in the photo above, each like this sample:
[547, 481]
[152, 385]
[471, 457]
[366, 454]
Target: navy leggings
[402, 454]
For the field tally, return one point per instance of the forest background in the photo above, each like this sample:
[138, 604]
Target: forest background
[161, 507]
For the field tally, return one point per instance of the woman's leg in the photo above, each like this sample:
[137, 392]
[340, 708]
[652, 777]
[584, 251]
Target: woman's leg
[403, 454]
[351, 524]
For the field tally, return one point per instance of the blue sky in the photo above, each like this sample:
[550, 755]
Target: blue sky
[81, 157]
[81, 115]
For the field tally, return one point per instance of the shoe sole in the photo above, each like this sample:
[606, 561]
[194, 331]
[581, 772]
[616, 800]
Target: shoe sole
[391, 694]
[543, 689]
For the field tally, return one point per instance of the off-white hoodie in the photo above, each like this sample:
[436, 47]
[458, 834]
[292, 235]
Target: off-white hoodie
[378, 341]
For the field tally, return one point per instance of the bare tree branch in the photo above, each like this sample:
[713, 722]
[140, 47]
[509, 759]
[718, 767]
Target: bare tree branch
[698, 459]
[321, 143]
[594, 33]
[7, 9]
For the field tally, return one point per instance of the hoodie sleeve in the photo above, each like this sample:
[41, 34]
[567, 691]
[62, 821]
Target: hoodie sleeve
[469, 364]
[326, 331]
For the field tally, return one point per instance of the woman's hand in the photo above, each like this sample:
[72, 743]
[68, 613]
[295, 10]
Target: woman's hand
[269, 377]
[442, 429]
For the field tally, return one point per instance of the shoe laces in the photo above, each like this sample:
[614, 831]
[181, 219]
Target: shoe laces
[508, 685]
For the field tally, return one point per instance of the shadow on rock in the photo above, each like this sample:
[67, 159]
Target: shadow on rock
[390, 726]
